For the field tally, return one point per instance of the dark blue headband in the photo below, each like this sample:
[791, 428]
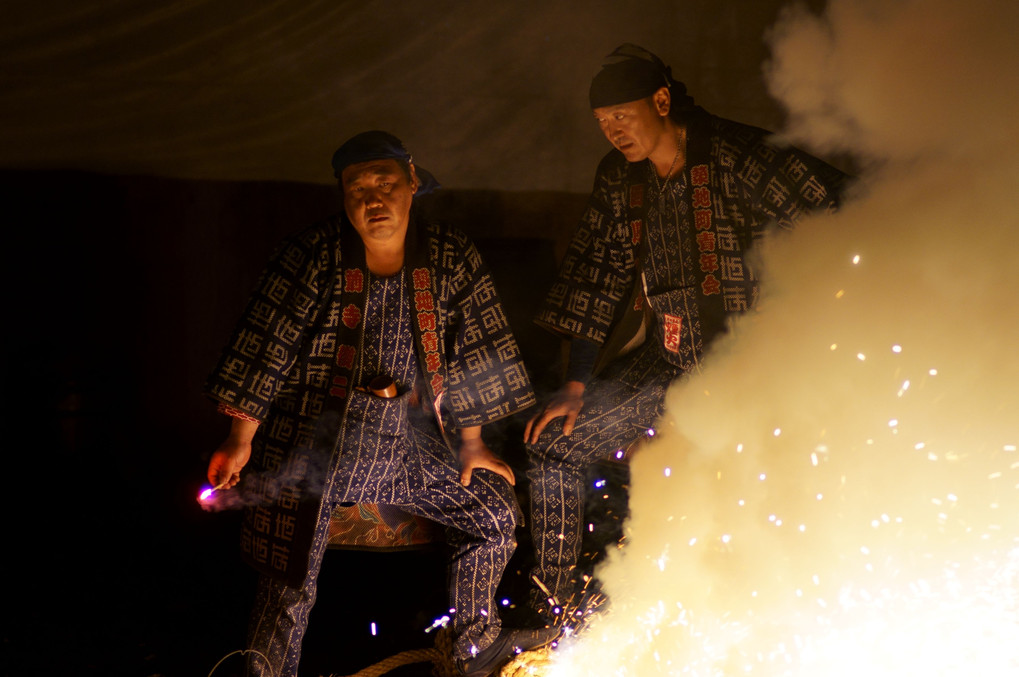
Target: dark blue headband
[376, 145]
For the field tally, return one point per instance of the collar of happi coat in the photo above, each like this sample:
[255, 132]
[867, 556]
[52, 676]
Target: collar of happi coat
[697, 174]
[423, 291]
[697, 171]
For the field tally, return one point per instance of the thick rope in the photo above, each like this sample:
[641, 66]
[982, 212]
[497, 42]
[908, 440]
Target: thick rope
[526, 664]
[403, 658]
[441, 655]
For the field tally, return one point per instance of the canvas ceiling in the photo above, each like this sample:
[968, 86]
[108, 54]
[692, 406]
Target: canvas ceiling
[486, 95]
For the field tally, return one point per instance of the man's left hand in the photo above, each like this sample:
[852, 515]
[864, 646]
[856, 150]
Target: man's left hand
[474, 453]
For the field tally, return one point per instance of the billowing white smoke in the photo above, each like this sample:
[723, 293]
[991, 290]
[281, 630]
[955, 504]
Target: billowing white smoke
[838, 492]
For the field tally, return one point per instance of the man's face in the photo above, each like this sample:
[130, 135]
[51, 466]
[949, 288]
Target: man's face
[635, 128]
[377, 196]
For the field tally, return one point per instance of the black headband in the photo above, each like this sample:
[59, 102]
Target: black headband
[633, 74]
[376, 145]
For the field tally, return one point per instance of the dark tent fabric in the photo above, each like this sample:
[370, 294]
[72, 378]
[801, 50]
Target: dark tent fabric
[486, 97]
[151, 156]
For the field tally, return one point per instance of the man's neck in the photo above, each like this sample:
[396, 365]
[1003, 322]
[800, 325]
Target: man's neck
[669, 155]
[384, 261]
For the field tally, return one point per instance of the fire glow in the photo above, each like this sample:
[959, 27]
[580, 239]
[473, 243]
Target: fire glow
[878, 534]
[207, 493]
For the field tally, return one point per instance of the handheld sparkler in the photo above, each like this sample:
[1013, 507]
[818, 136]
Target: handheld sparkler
[207, 493]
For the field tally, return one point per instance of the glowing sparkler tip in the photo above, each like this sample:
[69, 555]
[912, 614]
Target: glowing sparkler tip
[856, 259]
[206, 493]
[896, 348]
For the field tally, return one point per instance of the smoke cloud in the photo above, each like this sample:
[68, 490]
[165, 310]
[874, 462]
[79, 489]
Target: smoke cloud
[838, 491]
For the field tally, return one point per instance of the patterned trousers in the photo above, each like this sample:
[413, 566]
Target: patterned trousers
[407, 464]
[620, 406]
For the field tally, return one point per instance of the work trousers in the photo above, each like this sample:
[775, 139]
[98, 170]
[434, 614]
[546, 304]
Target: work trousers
[393, 458]
[621, 407]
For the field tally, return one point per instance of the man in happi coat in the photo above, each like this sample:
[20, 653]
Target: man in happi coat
[656, 266]
[369, 357]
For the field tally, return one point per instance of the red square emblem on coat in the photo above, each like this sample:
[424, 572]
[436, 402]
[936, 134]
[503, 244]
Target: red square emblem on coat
[637, 196]
[673, 332]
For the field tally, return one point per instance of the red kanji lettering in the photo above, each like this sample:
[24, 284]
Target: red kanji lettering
[353, 281]
[635, 227]
[430, 340]
[345, 356]
[351, 316]
[338, 390]
[423, 300]
[426, 321]
[636, 195]
[702, 219]
[701, 197]
[706, 241]
[709, 263]
[432, 361]
[673, 325]
[422, 278]
[699, 175]
[711, 285]
[437, 385]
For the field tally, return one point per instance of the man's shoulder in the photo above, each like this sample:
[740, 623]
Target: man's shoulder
[613, 163]
[613, 172]
[321, 232]
[737, 132]
[442, 231]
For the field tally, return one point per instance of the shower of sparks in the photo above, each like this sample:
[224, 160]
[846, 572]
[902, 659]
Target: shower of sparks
[440, 622]
[879, 533]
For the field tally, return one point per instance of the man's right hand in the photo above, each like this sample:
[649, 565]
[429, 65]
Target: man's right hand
[227, 461]
[567, 401]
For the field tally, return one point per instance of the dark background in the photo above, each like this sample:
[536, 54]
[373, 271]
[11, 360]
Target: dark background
[152, 153]
[121, 292]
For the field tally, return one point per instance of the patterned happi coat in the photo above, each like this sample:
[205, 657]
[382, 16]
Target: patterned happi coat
[682, 246]
[290, 364]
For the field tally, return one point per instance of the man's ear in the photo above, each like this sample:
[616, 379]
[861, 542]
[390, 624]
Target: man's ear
[414, 183]
[662, 100]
